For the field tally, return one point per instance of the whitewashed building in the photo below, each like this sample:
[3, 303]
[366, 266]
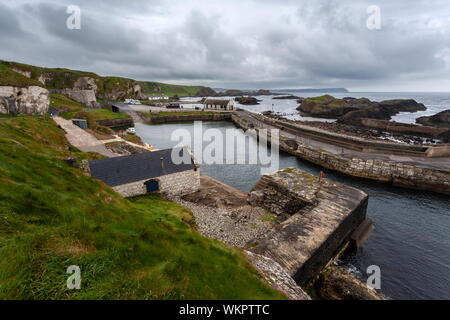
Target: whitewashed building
[223, 105]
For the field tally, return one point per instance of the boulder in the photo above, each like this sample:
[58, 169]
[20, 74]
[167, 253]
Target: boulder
[26, 100]
[441, 119]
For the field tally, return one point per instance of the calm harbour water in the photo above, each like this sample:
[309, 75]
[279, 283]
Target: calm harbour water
[411, 241]
[434, 101]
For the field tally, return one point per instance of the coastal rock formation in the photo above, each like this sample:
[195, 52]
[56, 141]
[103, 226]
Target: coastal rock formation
[26, 100]
[240, 93]
[337, 283]
[350, 108]
[206, 92]
[398, 128]
[247, 100]
[441, 119]
[287, 98]
[84, 91]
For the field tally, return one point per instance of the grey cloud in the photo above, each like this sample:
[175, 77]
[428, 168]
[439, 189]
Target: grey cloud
[249, 43]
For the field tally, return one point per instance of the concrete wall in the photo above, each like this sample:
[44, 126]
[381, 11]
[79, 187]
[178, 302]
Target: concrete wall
[435, 152]
[175, 184]
[194, 117]
[114, 123]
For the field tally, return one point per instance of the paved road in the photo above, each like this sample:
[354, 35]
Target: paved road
[81, 139]
[434, 163]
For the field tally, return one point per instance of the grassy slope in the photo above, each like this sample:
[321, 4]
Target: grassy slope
[169, 89]
[52, 216]
[63, 103]
[9, 77]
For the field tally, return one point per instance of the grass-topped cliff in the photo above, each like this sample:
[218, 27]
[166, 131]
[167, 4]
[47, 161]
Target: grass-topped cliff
[52, 216]
[61, 78]
[9, 77]
[171, 90]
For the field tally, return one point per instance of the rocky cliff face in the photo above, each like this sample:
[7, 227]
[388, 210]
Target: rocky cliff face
[84, 91]
[83, 87]
[27, 100]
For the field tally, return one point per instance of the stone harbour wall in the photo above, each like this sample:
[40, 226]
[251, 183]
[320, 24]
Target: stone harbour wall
[114, 123]
[192, 117]
[304, 243]
[396, 173]
[176, 184]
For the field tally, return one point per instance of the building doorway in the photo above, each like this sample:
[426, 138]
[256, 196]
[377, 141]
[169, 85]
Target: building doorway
[152, 186]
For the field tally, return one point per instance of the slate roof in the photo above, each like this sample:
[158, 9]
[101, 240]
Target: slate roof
[147, 165]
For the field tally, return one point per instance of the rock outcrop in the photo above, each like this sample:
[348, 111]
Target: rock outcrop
[399, 128]
[350, 108]
[337, 283]
[84, 91]
[247, 100]
[288, 98]
[441, 119]
[26, 100]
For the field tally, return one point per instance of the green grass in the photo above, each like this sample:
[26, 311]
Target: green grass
[9, 77]
[97, 115]
[171, 90]
[101, 114]
[65, 105]
[320, 99]
[53, 216]
[60, 78]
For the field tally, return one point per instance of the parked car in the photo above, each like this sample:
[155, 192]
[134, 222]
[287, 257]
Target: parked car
[132, 101]
[131, 131]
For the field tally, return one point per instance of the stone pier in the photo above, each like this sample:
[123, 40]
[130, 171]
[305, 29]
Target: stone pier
[318, 226]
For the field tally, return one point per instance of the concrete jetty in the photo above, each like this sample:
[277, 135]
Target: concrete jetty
[328, 215]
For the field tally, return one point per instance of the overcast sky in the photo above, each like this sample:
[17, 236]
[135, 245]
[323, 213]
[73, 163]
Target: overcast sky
[239, 43]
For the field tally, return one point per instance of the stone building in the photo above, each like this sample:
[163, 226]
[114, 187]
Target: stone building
[149, 172]
[223, 105]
